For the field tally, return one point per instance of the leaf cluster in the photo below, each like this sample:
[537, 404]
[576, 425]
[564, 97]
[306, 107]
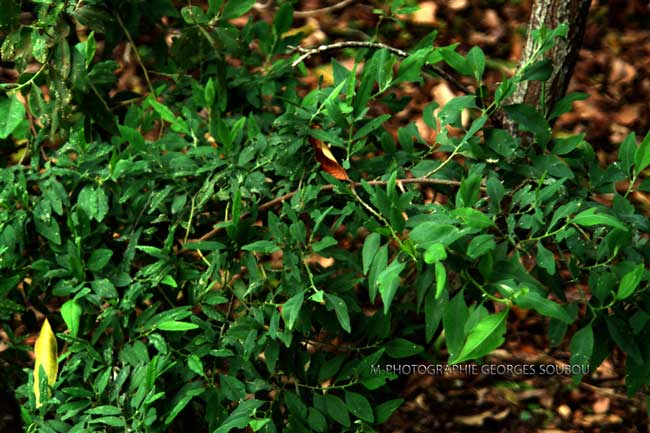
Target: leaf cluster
[193, 295]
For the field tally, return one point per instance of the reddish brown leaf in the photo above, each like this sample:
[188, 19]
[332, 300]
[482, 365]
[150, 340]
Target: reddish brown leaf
[327, 161]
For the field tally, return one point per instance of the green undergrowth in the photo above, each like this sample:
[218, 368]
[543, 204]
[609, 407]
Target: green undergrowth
[142, 222]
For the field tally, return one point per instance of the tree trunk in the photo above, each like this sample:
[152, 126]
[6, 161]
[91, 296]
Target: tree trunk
[564, 54]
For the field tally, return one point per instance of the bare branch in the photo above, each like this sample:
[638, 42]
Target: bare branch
[321, 11]
[308, 52]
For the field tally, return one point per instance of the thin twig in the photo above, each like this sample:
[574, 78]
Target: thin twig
[328, 187]
[308, 52]
[135, 50]
[321, 11]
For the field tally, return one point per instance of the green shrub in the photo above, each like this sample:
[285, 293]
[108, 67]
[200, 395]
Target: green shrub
[191, 297]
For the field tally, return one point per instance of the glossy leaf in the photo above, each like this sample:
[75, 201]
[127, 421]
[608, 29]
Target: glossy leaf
[71, 312]
[486, 336]
[589, 218]
[630, 282]
[12, 112]
[544, 306]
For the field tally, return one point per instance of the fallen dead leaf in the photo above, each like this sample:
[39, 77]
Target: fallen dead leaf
[564, 411]
[473, 420]
[602, 405]
[426, 15]
[457, 5]
[479, 419]
[628, 114]
[491, 19]
[324, 262]
[590, 420]
[621, 72]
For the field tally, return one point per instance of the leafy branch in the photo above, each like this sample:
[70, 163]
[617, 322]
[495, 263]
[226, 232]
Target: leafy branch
[328, 187]
[437, 70]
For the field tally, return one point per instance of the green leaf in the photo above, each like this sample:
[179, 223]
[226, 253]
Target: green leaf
[240, 417]
[486, 336]
[402, 348]
[316, 420]
[459, 63]
[175, 325]
[468, 194]
[233, 389]
[545, 259]
[104, 410]
[623, 337]
[627, 152]
[194, 364]
[379, 264]
[337, 410]
[258, 424]
[324, 243]
[564, 105]
[441, 279]
[430, 232]
[473, 218]
[502, 142]
[385, 62]
[209, 93]
[112, 421]
[163, 111]
[388, 281]
[453, 322]
[369, 250]
[370, 126]
[359, 406]
[12, 112]
[94, 202]
[182, 398]
[71, 313]
[99, 258]
[538, 71]
[433, 310]
[89, 49]
[450, 114]
[236, 8]
[562, 146]
[582, 346]
[590, 218]
[341, 310]
[480, 245]
[204, 245]
[386, 409]
[291, 309]
[544, 306]
[49, 229]
[283, 19]
[411, 68]
[264, 247]
[529, 119]
[642, 155]
[476, 60]
[434, 253]
[630, 282]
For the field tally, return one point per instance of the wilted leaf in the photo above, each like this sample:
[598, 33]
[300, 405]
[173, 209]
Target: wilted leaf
[45, 352]
[327, 161]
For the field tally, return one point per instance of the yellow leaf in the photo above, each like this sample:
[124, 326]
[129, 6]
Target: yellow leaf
[45, 352]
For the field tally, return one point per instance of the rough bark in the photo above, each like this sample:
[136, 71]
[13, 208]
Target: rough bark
[564, 54]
